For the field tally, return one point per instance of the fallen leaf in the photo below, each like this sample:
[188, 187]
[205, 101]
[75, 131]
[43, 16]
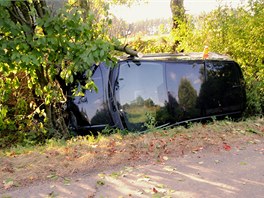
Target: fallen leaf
[227, 147]
[101, 175]
[165, 158]
[162, 190]
[217, 161]
[197, 149]
[66, 181]
[154, 190]
[129, 169]
[115, 174]
[52, 176]
[146, 179]
[169, 168]
[52, 194]
[100, 183]
[252, 142]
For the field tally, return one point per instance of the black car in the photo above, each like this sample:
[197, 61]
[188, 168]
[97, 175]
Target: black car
[170, 88]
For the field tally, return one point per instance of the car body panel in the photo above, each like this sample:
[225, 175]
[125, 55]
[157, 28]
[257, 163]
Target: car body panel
[170, 88]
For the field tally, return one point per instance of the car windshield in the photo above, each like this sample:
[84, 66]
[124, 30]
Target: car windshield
[142, 91]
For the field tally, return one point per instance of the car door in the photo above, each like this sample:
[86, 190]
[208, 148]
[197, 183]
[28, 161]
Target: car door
[222, 91]
[140, 91]
[184, 82]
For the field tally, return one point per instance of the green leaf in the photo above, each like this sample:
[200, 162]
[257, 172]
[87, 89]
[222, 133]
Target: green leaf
[102, 54]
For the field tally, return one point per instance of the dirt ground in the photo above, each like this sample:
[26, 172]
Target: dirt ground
[90, 164]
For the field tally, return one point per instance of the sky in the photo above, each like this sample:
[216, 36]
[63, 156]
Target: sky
[161, 9]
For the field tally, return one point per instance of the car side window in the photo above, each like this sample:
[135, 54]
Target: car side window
[224, 71]
[221, 90]
[184, 81]
[92, 105]
[141, 90]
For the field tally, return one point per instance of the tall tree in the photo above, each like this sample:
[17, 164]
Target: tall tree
[178, 19]
[178, 12]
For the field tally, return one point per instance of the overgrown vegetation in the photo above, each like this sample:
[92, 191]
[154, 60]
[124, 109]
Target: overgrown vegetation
[42, 50]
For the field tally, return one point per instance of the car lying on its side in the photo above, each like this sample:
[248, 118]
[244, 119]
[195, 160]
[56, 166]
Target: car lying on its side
[170, 88]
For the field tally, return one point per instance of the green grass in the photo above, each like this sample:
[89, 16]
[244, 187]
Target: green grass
[137, 114]
[253, 125]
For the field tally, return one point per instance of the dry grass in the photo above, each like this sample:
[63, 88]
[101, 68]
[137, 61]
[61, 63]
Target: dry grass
[89, 154]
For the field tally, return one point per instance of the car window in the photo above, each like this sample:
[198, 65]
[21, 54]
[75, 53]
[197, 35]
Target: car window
[224, 71]
[221, 91]
[142, 91]
[92, 105]
[184, 81]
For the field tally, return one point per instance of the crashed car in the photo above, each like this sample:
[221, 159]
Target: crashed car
[169, 88]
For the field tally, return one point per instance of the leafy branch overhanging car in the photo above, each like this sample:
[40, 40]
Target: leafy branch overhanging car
[172, 88]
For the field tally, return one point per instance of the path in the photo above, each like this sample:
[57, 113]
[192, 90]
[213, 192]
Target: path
[238, 172]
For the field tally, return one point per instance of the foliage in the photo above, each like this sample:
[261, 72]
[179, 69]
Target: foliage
[178, 12]
[151, 121]
[40, 54]
[151, 44]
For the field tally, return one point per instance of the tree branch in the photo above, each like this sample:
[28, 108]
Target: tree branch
[37, 6]
[30, 15]
[43, 6]
[13, 14]
[19, 14]
[127, 50]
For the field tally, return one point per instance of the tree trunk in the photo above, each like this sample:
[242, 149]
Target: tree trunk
[178, 12]
[21, 12]
[178, 15]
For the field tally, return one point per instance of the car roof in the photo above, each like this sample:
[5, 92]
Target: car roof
[177, 56]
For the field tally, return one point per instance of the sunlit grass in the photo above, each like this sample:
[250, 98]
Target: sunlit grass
[253, 125]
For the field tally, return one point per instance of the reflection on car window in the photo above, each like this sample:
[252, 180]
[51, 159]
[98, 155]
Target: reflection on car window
[222, 70]
[141, 90]
[220, 90]
[92, 105]
[184, 82]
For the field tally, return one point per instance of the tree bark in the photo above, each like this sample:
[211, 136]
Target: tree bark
[178, 12]
[127, 50]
